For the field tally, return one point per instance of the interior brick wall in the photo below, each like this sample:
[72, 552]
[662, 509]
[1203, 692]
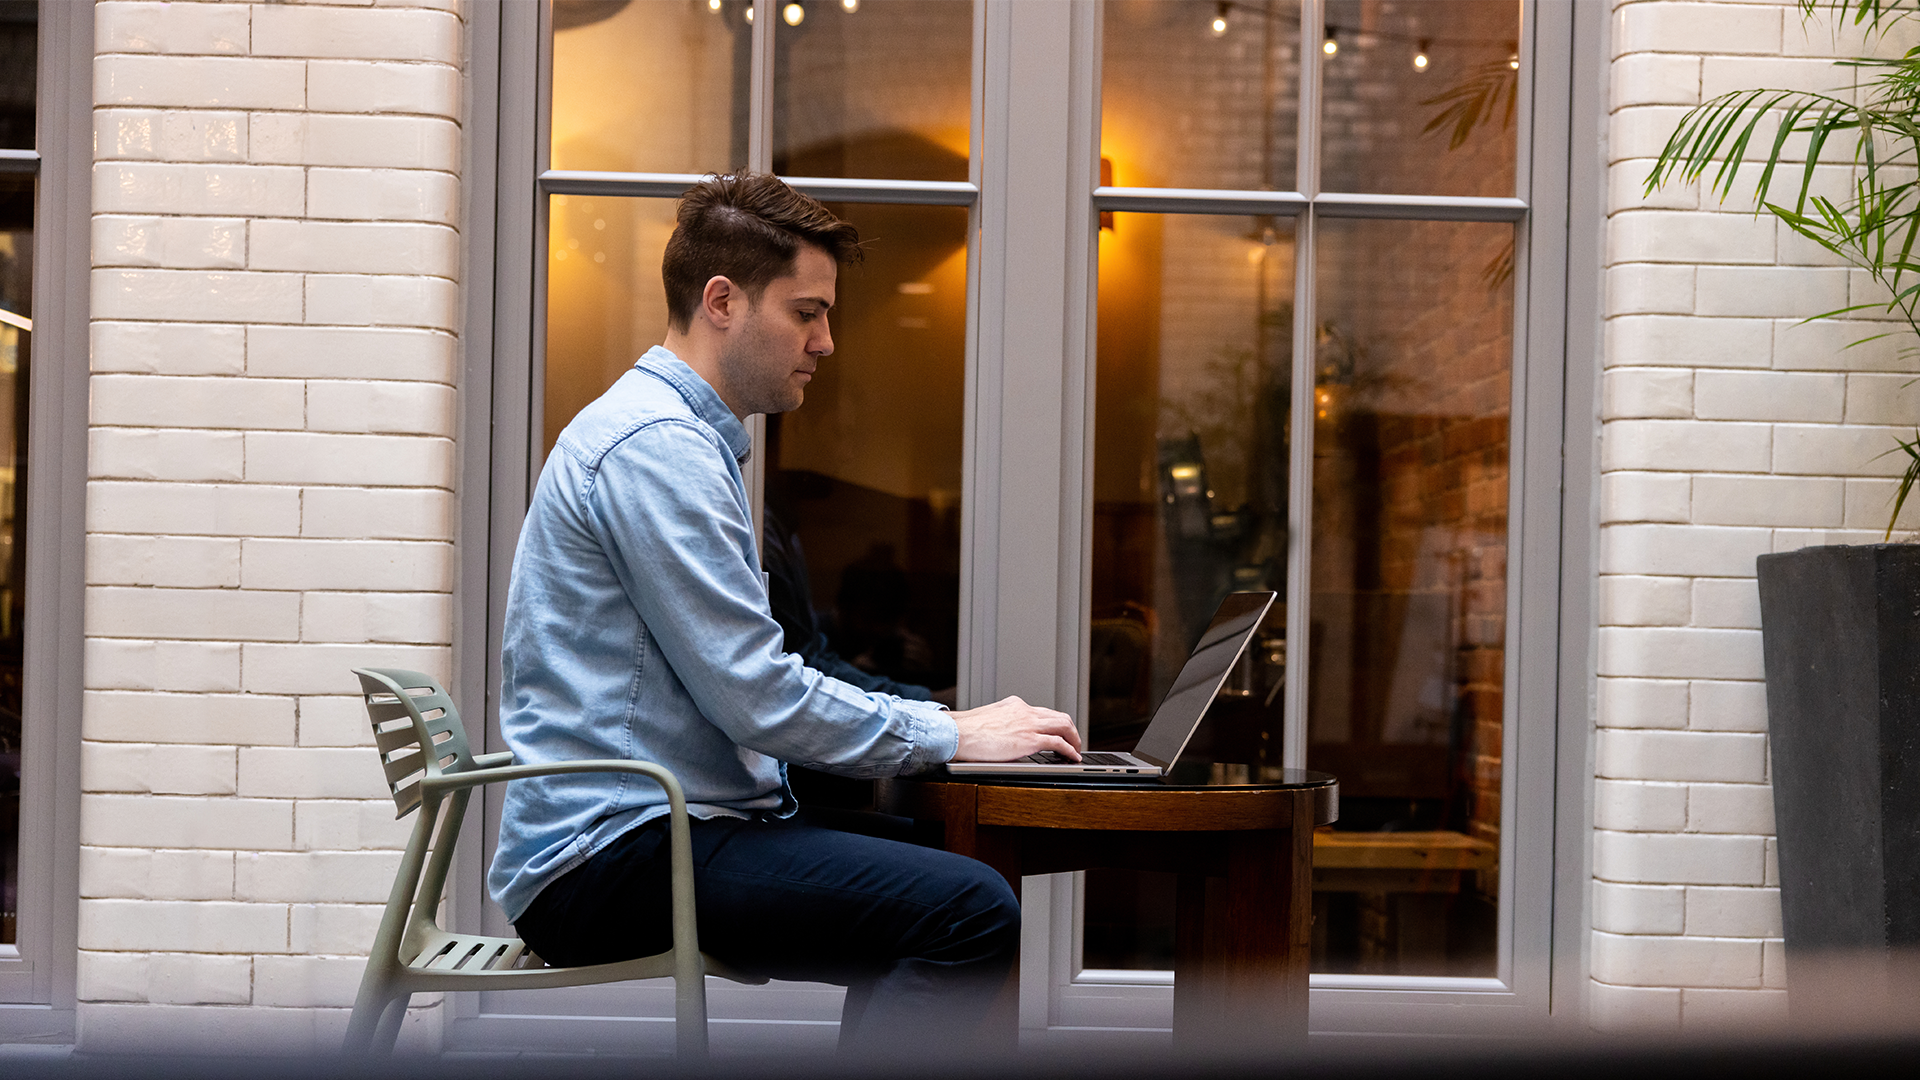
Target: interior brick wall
[274, 300]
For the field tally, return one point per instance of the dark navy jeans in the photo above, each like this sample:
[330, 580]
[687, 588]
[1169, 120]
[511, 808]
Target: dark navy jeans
[922, 939]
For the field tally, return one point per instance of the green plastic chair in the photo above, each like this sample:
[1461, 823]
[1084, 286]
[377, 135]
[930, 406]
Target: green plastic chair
[411, 954]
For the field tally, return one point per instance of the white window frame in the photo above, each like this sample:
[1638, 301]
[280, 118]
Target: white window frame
[1027, 477]
[37, 977]
[1074, 999]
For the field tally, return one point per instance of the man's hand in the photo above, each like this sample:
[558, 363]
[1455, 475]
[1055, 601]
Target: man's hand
[1011, 728]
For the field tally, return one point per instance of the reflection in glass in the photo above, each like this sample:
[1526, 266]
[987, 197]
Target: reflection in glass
[863, 481]
[1419, 97]
[605, 301]
[881, 89]
[1196, 93]
[866, 474]
[1192, 400]
[653, 86]
[19, 75]
[1411, 400]
[16, 322]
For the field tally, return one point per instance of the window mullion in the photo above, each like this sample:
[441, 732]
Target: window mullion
[760, 90]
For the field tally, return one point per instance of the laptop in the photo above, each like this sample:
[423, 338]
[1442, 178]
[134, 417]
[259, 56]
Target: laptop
[1179, 715]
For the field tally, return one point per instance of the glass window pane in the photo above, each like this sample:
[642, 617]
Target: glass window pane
[652, 86]
[1419, 97]
[863, 484]
[1410, 468]
[16, 315]
[19, 83]
[880, 89]
[864, 479]
[605, 301]
[19, 73]
[1192, 400]
[1200, 94]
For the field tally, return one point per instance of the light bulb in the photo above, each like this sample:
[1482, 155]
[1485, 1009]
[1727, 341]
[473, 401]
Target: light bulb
[1331, 46]
[713, 6]
[849, 6]
[793, 14]
[749, 12]
[1420, 57]
[1219, 25]
[1514, 62]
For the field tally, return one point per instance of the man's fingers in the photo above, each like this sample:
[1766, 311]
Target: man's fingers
[1064, 747]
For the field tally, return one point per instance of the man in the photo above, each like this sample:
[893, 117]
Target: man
[638, 626]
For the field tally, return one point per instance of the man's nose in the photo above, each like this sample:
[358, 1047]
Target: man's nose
[822, 343]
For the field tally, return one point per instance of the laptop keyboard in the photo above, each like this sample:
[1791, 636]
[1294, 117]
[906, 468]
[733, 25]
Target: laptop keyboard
[1049, 757]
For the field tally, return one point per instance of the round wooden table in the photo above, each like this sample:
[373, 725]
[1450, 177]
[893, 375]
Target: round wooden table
[1239, 838]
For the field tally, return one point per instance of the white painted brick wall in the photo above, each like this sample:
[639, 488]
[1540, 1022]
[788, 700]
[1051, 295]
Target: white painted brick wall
[276, 257]
[1728, 430]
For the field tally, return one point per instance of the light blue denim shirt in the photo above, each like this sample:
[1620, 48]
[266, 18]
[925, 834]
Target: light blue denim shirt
[638, 627]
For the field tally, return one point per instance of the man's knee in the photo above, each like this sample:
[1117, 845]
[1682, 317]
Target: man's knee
[983, 915]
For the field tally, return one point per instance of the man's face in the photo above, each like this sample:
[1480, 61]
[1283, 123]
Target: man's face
[772, 351]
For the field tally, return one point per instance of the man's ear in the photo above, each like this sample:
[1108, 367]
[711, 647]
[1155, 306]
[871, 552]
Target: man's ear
[720, 301]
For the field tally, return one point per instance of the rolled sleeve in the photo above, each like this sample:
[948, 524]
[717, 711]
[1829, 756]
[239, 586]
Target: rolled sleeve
[934, 736]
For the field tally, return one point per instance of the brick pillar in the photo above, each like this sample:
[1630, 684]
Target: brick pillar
[1728, 430]
[271, 502]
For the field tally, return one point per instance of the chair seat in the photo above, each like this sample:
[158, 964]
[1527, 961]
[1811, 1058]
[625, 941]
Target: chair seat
[470, 953]
[457, 961]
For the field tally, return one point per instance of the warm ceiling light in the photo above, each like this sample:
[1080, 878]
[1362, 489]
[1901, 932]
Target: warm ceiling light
[850, 6]
[1514, 62]
[793, 14]
[1332, 45]
[1220, 19]
[1420, 57]
[713, 6]
[749, 12]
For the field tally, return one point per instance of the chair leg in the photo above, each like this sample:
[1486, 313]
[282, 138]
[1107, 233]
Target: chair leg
[368, 1006]
[390, 1018]
[690, 1013]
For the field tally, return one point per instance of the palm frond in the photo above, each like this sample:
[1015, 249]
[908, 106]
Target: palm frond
[1875, 227]
[1910, 447]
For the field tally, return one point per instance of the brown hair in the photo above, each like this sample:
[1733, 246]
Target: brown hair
[748, 228]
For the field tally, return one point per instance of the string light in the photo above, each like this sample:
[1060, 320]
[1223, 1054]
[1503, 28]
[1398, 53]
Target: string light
[1332, 45]
[1420, 56]
[749, 12]
[1514, 61]
[1220, 19]
[849, 6]
[793, 14]
[713, 6]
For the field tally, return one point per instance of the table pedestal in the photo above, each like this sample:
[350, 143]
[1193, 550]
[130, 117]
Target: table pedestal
[1243, 854]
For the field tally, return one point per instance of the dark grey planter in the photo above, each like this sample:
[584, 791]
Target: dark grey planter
[1841, 627]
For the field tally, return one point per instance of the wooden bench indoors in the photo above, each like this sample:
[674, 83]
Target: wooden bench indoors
[1391, 872]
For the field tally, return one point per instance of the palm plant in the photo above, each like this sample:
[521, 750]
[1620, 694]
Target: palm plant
[1876, 130]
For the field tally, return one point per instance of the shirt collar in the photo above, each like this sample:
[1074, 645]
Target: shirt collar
[700, 397]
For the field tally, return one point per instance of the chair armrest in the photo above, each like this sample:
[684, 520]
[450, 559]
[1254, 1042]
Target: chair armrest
[493, 761]
[497, 774]
[679, 833]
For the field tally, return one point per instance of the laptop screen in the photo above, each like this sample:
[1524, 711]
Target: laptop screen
[1234, 623]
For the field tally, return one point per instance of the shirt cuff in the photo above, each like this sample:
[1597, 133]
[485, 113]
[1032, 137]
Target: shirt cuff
[932, 734]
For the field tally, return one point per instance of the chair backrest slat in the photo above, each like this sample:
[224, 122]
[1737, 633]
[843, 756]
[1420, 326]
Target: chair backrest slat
[416, 728]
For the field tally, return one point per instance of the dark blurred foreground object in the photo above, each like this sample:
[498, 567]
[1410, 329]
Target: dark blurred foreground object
[1841, 628]
[1734, 1056]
